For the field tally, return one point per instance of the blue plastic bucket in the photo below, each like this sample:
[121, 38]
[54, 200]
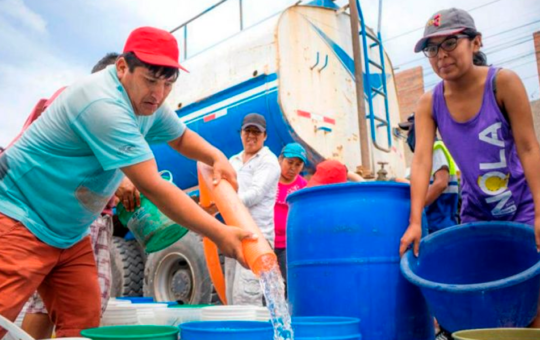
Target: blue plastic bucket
[326, 328]
[343, 259]
[478, 275]
[226, 330]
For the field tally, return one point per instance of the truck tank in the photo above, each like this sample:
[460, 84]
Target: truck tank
[296, 69]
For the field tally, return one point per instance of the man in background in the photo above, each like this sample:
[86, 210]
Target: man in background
[258, 175]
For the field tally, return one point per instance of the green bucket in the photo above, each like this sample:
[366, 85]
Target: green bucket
[152, 229]
[498, 334]
[132, 332]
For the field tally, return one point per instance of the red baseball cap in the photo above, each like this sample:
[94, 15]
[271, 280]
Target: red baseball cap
[154, 46]
[329, 172]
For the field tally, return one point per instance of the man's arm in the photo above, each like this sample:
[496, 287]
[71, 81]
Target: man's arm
[193, 146]
[174, 203]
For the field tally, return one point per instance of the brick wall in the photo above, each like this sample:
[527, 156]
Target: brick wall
[536, 104]
[410, 87]
[536, 117]
[536, 36]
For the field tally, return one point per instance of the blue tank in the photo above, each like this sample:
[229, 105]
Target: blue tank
[343, 259]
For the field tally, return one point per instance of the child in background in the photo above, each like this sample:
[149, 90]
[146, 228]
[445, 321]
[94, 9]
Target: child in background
[484, 118]
[292, 160]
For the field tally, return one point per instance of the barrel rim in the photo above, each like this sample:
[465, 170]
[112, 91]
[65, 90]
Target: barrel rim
[331, 320]
[343, 186]
[161, 330]
[518, 278]
[192, 326]
[473, 332]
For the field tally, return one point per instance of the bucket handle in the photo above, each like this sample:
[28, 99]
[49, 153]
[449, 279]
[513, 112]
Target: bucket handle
[166, 175]
[13, 329]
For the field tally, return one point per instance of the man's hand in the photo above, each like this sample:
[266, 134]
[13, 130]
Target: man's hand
[224, 170]
[229, 242]
[193, 146]
[128, 195]
[413, 234]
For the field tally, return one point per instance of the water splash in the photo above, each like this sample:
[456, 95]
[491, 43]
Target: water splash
[273, 288]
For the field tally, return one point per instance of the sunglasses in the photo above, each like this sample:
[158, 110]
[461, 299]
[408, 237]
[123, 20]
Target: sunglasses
[449, 44]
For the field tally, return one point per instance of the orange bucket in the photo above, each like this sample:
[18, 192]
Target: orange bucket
[259, 255]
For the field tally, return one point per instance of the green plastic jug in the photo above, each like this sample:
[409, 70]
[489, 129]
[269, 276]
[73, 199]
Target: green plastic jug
[152, 229]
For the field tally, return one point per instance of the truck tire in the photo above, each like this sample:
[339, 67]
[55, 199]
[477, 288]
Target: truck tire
[127, 267]
[179, 273]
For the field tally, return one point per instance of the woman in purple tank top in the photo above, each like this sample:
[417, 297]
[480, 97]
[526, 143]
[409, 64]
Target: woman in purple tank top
[484, 118]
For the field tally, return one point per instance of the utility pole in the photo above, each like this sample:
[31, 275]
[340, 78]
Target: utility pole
[365, 168]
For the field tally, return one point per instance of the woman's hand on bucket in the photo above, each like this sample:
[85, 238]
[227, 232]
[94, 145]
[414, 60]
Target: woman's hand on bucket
[230, 243]
[412, 236]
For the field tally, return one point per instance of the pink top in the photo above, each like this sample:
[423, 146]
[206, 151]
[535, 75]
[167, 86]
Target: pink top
[281, 209]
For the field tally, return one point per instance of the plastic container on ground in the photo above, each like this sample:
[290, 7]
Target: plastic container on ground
[231, 312]
[326, 327]
[498, 334]
[343, 259]
[178, 314]
[227, 330]
[136, 299]
[152, 229]
[132, 333]
[118, 301]
[14, 332]
[262, 314]
[118, 314]
[478, 275]
[146, 312]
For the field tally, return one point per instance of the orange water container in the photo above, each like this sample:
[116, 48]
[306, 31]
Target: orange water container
[259, 255]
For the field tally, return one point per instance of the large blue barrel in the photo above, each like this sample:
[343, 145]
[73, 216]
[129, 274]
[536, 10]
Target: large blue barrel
[326, 328]
[226, 330]
[478, 275]
[343, 259]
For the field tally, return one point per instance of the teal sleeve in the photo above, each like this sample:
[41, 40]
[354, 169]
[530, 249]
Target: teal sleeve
[166, 127]
[112, 133]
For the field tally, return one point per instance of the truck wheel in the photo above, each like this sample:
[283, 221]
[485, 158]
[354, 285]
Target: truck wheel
[127, 267]
[179, 273]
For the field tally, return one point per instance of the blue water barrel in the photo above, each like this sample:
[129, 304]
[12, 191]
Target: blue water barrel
[326, 328]
[226, 330]
[478, 275]
[343, 259]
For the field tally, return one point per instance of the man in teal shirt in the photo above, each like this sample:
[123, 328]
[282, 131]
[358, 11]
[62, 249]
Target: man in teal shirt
[56, 179]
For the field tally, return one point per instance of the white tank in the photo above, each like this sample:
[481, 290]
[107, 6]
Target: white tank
[306, 52]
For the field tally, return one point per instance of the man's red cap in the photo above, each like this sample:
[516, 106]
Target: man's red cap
[154, 46]
[329, 172]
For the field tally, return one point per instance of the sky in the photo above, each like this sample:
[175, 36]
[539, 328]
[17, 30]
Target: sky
[45, 45]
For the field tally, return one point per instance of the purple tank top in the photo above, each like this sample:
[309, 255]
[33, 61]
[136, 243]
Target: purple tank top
[493, 182]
